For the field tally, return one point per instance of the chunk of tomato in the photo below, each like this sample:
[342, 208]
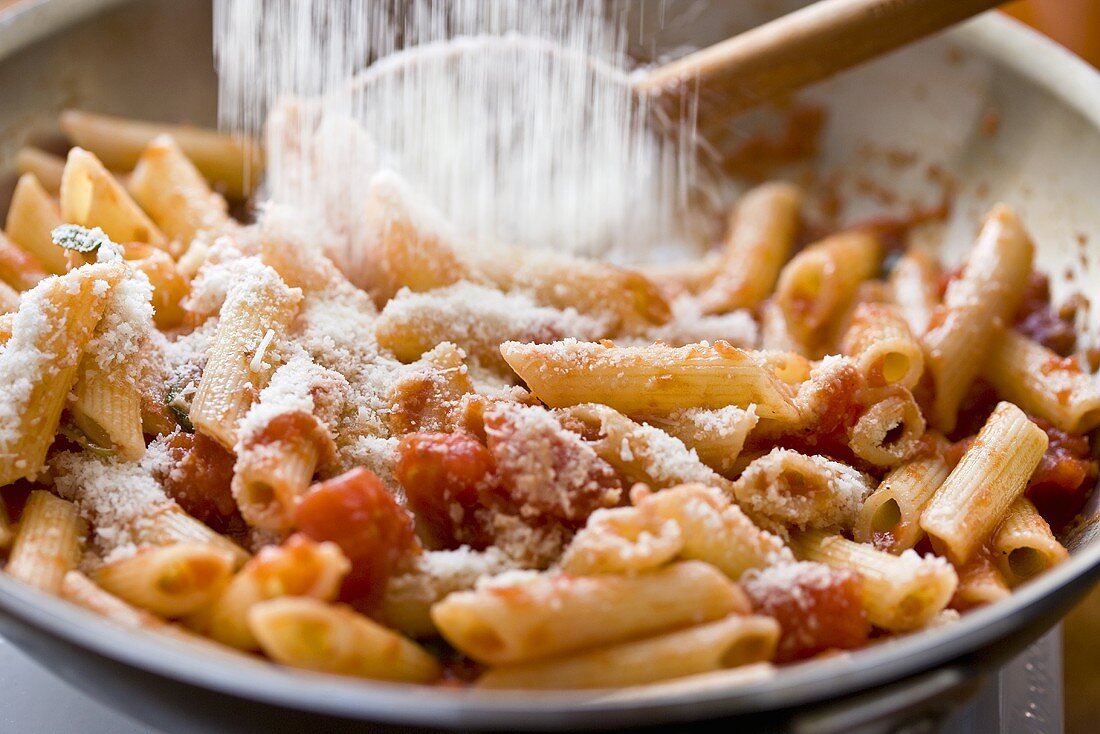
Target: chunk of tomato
[355, 511]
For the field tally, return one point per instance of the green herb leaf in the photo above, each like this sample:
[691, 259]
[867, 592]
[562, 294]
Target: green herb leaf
[180, 405]
[79, 239]
[78, 437]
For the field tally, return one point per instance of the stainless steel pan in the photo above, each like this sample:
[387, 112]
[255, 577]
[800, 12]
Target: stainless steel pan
[151, 59]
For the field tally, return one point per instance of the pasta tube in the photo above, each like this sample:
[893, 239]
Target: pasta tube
[32, 217]
[883, 346]
[890, 430]
[761, 234]
[649, 380]
[54, 324]
[728, 643]
[820, 282]
[92, 197]
[990, 476]
[18, 268]
[107, 408]
[980, 582]
[169, 285]
[46, 167]
[890, 517]
[914, 287]
[255, 311]
[228, 162]
[985, 296]
[551, 614]
[168, 186]
[172, 581]
[307, 633]
[47, 543]
[716, 436]
[1023, 545]
[1042, 383]
[900, 593]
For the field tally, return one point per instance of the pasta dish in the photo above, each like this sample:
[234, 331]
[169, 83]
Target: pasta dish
[513, 468]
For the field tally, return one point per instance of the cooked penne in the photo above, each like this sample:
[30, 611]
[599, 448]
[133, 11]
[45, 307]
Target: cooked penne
[820, 282]
[255, 312]
[984, 297]
[92, 197]
[1042, 383]
[172, 581]
[890, 430]
[883, 346]
[1023, 545]
[786, 488]
[107, 409]
[174, 193]
[762, 230]
[980, 582]
[307, 633]
[226, 161]
[652, 380]
[550, 614]
[890, 517]
[39, 363]
[172, 525]
[18, 268]
[900, 593]
[299, 567]
[47, 542]
[692, 521]
[643, 453]
[32, 217]
[46, 167]
[790, 367]
[990, 476]
[728, 643]
[914, 287]
[716, 436]
[169, 285]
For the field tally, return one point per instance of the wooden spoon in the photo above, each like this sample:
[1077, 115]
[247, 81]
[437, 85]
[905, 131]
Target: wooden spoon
[795, 50]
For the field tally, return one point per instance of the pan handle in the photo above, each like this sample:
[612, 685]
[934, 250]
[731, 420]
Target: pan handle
[914, 706]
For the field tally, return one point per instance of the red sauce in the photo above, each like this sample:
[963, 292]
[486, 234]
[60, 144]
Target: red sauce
[815, 616]
[1041, 322]
[1064, 478]
[355, 511]
[200, 482]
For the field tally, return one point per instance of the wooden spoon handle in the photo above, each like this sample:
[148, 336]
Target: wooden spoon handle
[803, 47]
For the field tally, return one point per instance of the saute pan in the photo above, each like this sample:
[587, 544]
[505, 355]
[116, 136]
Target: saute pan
[1000, 112]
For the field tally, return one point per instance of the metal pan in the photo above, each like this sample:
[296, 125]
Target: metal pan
[151, 59]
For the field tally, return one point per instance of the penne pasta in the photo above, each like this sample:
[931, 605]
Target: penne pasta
[107, 409]
[890, 430]
[991, 475]
[92, 197]
[980, 582]
[1023, 545]
[166, 184]
[169, 285]
[819, 284]
[47, 542]
[762, 230]
[54, 324]
[728, 643]
[652, 380]
[254, 313]
[227, 162]
[900, 593]
[716, 436]
[171, 581]
[18, 268]
[45, 167]
[984, 297]
[299, 567]
[546, 615]
[880, 341]
[1042, 383]
[914, 288]
[32, 217]
[172, 525]
[890, 517]
[307, 633]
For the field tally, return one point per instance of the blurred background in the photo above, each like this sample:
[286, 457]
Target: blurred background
[1076, 25]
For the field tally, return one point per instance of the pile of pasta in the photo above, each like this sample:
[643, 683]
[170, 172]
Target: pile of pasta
[513, 467]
